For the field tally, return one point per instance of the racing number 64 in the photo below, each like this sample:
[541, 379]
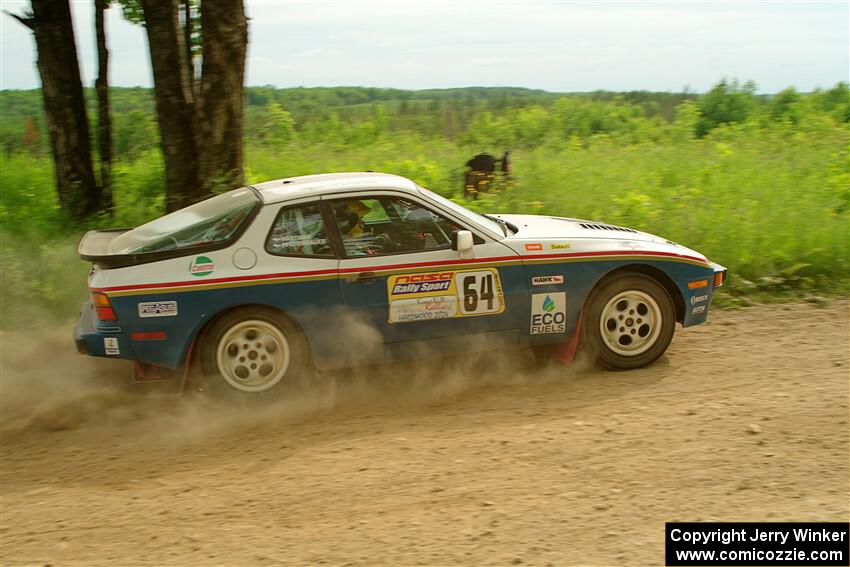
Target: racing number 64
[478, 293]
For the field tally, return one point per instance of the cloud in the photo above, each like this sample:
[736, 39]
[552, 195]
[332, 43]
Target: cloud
[558, 46]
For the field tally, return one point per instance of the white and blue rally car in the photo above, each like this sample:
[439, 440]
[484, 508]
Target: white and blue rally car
[257, 284]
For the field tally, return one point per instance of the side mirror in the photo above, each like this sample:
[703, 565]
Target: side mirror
[463, 242]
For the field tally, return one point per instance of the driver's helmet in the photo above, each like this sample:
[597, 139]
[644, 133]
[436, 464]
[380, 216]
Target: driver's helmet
[355, 211]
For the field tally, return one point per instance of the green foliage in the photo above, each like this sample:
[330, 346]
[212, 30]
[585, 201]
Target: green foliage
[725, 103]
[765, 191]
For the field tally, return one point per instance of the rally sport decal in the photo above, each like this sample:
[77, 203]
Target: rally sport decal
[444, 295]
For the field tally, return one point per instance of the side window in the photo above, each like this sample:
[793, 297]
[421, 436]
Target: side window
[299, 231]
[390, 225]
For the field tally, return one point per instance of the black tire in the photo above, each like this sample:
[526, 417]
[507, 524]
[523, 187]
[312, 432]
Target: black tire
[628, 321]
[252, 353]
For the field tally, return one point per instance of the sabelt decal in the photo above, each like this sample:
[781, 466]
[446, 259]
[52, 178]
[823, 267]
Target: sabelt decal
[534, 247]
[110, 346]
[444, 295]
[547, 280]
[158, 309]
[548, 313]
[698, 299]
[201, 266]
[699, 309]
[559, 246]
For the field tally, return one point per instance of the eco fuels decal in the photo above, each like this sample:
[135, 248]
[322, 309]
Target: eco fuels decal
[444, 295]
[201, 266]
[548, 313]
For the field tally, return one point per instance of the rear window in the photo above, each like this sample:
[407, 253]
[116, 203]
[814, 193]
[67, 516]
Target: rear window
[213, 221]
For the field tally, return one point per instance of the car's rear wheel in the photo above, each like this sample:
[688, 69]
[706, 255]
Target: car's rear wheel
[252, 352]
[629, 322]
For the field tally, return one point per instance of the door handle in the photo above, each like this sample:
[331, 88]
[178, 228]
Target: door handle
[366, 277]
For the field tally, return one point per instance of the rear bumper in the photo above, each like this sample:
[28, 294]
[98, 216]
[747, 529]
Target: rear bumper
[96, 340]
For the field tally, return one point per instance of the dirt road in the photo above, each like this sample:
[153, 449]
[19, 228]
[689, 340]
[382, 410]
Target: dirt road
[449, 462]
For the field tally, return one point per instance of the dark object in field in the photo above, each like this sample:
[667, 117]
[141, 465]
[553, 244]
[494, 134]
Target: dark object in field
[480, 175]
[505, 166]
[483, 174]
[483, 163]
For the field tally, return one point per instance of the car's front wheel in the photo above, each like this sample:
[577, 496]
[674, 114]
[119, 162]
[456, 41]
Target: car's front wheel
[252, 352]
[629, 321]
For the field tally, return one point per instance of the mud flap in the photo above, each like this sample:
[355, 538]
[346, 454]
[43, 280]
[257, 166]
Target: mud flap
[148, 373]
[143, 372]
[566, 352]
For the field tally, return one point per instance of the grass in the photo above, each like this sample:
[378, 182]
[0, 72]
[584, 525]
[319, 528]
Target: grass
[768, 203]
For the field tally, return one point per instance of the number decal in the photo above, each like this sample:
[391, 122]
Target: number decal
[426, 296]
[470, 297]
[479, 292]
[487, 291]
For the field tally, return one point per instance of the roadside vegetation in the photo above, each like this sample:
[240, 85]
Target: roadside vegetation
[760, 184]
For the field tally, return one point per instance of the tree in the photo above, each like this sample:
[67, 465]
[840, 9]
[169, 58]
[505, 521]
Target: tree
[64, 105]
[786, 105]
[200, 121]
[224, 30]
[726, 102]
[31, 138]
[104, 120]
[175, 103]
[280, 127]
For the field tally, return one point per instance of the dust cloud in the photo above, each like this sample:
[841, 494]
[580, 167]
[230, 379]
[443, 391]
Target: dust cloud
[46, 386]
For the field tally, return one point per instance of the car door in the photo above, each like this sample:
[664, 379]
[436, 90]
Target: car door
[304, 261]
[400, 275]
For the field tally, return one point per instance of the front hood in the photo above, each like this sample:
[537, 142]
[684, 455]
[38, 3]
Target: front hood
[541, 235]
[539, 226]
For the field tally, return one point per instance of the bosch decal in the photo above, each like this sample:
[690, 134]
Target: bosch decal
[158, 309]
[548, 313]
[534, 247]
[698, 299]
[547, 280]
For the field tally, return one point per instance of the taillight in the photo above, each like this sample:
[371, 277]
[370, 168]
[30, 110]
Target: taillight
[103, 307]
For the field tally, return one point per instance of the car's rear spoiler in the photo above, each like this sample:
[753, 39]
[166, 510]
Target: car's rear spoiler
[94, 247]
[95, 243]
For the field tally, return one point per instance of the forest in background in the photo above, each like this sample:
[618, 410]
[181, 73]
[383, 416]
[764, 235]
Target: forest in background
[758, 183]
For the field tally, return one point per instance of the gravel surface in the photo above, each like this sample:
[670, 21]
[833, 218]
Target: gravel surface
[443, 462]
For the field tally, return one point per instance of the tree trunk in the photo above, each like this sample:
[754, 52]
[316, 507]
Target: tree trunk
[188, 24]
[225, 40]
[64, 105]
[104, 114]
[175, 104]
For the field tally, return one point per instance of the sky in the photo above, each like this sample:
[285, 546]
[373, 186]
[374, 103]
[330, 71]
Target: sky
[560, 46]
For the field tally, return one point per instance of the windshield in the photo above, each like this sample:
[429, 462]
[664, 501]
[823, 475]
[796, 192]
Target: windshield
[208, 222]
[464, 212]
